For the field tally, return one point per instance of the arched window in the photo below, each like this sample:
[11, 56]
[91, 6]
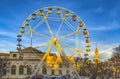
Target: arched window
[60, 72]
[60, 65]
[44, 70]
[14, 55]
[29, 70]
[13, 70]
[4, 72]
[52, 72]
[67, 71]
[21, 69]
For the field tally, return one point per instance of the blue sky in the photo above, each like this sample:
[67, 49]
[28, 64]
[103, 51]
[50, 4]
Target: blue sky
[100, 16]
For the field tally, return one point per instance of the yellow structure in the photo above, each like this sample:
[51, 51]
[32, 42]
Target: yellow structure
[96, 57]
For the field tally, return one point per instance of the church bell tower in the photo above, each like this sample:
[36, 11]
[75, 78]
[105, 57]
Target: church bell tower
[96, 56]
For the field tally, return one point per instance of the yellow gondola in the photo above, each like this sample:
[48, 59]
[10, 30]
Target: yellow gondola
[27, 22]
[41, 12]
[58, 11]
[67, 14]
[49, 10]
[21, 31]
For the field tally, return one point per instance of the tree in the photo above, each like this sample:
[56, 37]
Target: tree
[116, 59]
[3, 66]
[116, 51]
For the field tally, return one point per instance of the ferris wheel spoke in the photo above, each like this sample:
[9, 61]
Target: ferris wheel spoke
[38, 24]
[25, 33]
[30, 30]
[81, 33]
[41, 35]
[76, 50]
[69, 25]
[59, 29]
[68, 46]
[31, 40]
[53, 18]
[42, 45]
[62, 17]
[61, 14]
[71, 49]
[77, 41]
[46, 14]
[68, 35]
[49, 28]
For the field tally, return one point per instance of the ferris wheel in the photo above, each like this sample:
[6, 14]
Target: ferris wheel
[55, 30]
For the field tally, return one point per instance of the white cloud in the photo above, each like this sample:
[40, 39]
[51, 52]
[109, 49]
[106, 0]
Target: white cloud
[111, 26]
[6, 46]
[9, 34]
[105, 50]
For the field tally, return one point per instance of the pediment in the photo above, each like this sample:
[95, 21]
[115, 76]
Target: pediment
[31, 50]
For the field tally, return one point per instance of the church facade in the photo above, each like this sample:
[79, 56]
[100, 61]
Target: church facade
[20, 66]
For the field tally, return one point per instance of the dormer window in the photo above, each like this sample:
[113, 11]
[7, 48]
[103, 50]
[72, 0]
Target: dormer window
[14, 55]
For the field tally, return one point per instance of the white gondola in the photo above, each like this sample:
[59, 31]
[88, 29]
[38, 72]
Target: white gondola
[33, 16]
[27, 22]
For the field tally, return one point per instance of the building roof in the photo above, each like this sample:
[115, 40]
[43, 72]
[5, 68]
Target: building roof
[4, 54]
[31, 50]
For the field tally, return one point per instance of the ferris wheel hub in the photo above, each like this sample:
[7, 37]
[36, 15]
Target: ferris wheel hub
[77, 31]
[44, 17]
[63, 19]
[54, 40]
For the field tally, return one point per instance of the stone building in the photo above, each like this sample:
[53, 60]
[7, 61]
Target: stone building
[22, 65]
